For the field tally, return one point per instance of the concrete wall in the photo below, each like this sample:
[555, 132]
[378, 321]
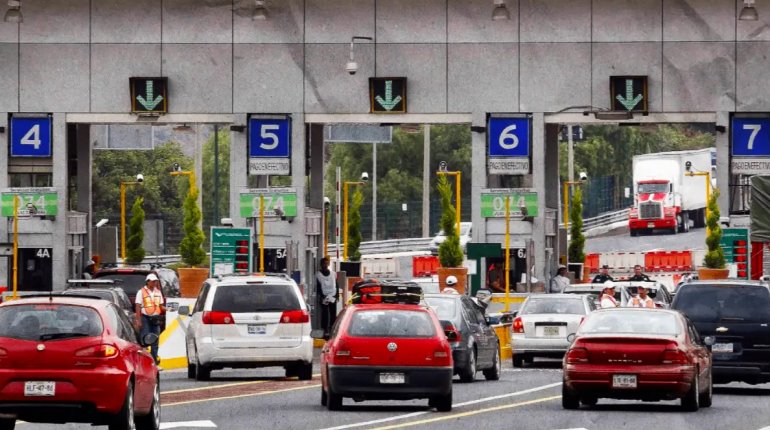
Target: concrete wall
[75, 56]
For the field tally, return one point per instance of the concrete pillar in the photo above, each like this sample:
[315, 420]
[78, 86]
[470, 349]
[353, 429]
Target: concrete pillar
[83, 148]
[298, 155]
[540, 171]
[239, 174]
[315, 137]
[478, 181]
[59, 257]
[723, 162]
[5, 263]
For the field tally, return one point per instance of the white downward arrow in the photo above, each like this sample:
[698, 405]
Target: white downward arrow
[187, 424]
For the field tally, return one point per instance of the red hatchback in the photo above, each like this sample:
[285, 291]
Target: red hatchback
[633, 353]
[74, 359]
[384, 352]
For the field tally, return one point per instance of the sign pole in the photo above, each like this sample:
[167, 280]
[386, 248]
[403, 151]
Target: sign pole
[261, 233]
[507, 254]
[338, 209]
[15, 245]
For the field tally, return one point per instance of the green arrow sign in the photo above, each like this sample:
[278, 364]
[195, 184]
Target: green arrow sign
[629, 101]
[32, 201]
[387, 95]
[148, 101]
[284, 199]
[388, 102]
[628, 93]
[493, 202]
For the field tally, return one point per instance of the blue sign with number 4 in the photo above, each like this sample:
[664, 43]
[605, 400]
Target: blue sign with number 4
[508, 137]
[751, 137]
[31, 137]
[269, 137]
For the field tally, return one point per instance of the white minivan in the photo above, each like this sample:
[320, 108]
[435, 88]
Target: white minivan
[248, 322]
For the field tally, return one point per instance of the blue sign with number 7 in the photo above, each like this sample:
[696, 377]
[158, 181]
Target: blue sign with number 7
[751, 137]
[269, 137]
[31, 137]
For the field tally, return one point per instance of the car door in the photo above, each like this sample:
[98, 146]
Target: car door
[700, 352]
[477, 331]
[196, 329]
[490, 335]
[140, 359]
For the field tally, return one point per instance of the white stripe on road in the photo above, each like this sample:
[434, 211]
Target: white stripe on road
[188, 424]
[456, 405]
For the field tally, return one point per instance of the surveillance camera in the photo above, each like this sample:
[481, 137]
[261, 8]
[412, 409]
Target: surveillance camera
[365, 177]
[442, 166]
[351, 67]
[140, 178]
[327, 203]
[102, 222]
[687, 166]
[177, 167]
[583, 176]
[227, 222]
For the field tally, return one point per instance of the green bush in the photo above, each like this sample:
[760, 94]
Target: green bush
[450, 253]
[191, 247]
[354, 226]
[715, 257]
[575, 252]
[135, 243]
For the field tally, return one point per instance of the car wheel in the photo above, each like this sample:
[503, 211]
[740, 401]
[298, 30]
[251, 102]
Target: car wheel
[493, 373]
[690, 402]
[569, 399]
[468, 374]
[124, 420]
[151, 421]
[7, 424]
[442, 403]
[305, 371]
[518, 361]
[589, 400]
[634, 233]
[202, 373]
[190, 371]
[324, 397]
[333, 400]
[707, 396]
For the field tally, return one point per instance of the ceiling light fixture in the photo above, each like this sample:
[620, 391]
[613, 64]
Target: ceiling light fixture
[748, 12]
[500, 13]
[13, 14]
[260, 11]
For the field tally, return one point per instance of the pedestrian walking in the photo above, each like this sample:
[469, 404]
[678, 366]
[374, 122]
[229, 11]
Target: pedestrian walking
[560, 281]
[603, 275]
[638, 275]
[327, 293]
[150, 311]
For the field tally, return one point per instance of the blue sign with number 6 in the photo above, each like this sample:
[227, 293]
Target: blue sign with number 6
[508, 137]
[269, 137]
[751, 137]
[31, 137]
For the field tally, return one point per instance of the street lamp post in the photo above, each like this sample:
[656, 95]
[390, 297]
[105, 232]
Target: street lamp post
[442, 170]
[123, 185]
[345, 186]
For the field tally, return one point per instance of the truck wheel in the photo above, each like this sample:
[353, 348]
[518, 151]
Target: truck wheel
[686, 221]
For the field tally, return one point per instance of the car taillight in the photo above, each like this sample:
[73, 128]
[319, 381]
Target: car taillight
[518, 325]
[3, 352]
[673, 355]
[216, 317]
[577, 355]
[98, 351]
[452, 334]
[295, 317]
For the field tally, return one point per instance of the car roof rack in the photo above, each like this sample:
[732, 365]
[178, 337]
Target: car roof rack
[223, 276]
[91, 281]
[51, 295]
[394, 291]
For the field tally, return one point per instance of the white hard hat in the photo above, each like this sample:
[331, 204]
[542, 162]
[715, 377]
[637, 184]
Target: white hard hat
[609, 284]
[451, 280]
[151, 277]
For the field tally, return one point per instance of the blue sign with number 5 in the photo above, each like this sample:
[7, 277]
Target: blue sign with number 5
[31, 137]
[751, 137]
[508, 137]
[269, 137]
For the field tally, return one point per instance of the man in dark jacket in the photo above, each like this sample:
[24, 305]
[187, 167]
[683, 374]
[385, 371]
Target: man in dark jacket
[327, 294]
[603, 276]
[638, 275]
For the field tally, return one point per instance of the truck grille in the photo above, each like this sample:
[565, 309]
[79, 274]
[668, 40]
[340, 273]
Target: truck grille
[650, 210]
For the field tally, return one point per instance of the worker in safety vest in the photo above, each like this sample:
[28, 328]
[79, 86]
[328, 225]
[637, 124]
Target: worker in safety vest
[150, 310]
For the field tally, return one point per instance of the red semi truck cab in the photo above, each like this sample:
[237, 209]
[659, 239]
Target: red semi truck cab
[655, 207]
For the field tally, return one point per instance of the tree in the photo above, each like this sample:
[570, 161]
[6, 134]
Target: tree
[191, 247]
[135, 243]
[577, 240]
[715, 257]
[450, 253]
[354, 226]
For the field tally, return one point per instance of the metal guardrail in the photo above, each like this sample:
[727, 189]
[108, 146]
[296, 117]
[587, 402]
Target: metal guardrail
[605, 219]
[392, 245]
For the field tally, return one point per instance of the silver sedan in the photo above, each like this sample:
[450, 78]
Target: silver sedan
[543, 323]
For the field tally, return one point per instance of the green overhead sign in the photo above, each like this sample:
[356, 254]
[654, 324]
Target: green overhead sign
[32, 201]
[277, 201]
[230, 250]
[493, 202]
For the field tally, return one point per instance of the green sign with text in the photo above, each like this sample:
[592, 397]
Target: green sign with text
[230, 250]
[735, 246]
[521, 202]
[32, 201]
[276, 201]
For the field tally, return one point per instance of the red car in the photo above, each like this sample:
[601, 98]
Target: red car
[387, 351]
[74, 359]
[634, 353]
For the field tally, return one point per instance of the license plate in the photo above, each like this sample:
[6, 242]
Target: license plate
[722, 348]
[391, 378]
[623, 381]
[650, 225]
[39, 388]
[550, 330]
[257, 329]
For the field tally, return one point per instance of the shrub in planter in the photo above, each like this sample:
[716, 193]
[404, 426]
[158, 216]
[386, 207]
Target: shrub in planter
[191, 247]
[135, 244]
[575, 251]
[450, 253]
[715, 257]
[354, 226]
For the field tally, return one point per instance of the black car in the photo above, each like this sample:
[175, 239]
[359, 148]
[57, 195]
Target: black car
[132, 279]
[737, 315]
[475, 345]
[115, 295]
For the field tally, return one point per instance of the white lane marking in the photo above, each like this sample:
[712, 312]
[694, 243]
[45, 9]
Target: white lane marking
[187, 424]
[472, 402]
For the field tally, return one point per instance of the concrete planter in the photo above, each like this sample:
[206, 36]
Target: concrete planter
[706, 273]
[461, 273]
[191, 279]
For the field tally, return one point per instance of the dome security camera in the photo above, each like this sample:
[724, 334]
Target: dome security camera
[140, 178]
[351, 67]
[583, 176]
[688, 165]
[177, 167]
[327, 203]
[365, 177]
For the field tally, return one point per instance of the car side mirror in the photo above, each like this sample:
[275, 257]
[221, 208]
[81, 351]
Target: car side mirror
[709, 340]
[149, 339]
[451, 335]
[317, 333]
[571, 337]
[184, 310]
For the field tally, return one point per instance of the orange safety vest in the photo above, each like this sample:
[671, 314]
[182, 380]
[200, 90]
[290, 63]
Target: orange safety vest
[150, 303]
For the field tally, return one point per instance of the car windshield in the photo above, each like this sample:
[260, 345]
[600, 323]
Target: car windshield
[547, 305]
[713, 303]
[255, 298]
[653, 188]
[391, 323]
[49, 322]
[642, 322]
[131, 283]
[445, 307]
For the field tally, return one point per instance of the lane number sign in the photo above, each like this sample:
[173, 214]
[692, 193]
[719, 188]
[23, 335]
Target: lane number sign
[31, 137]
[750, 147]
[269, 146]
[509, 145]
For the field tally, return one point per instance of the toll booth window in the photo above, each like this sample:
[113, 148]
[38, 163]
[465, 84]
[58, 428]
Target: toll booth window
[19, 180]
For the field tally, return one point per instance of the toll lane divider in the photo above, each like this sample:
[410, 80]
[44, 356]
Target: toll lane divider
[172, 349]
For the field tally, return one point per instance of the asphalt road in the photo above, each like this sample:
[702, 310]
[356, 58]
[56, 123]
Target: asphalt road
[621, 240]
[522, 399]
